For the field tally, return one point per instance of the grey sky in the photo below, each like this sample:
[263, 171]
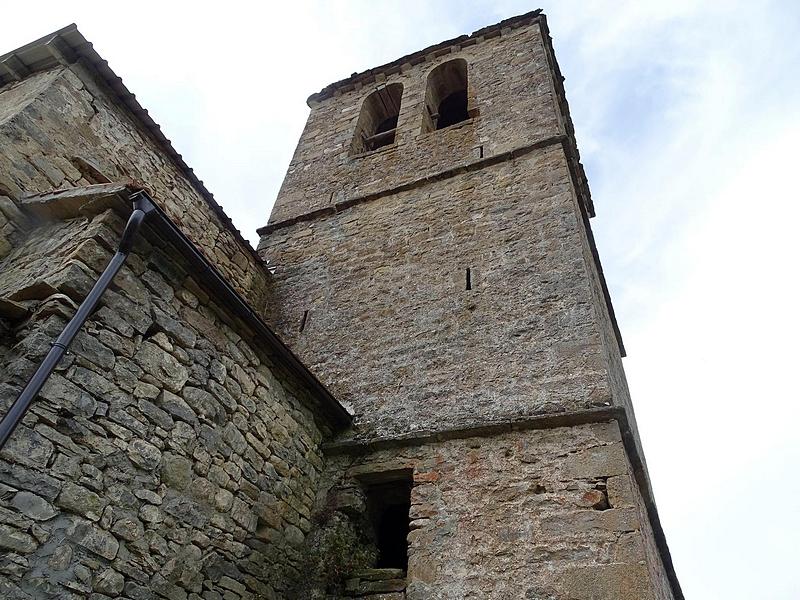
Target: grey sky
[687, 117]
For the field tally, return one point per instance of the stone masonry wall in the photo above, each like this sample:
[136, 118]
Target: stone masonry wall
[54, 124]
[449, 281]
[391, 329]
[549, 514]
[169, 456]
[509, 85]
[13, 225]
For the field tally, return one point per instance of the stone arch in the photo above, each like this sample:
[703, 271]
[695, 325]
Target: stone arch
[446, 96]
[377, 122]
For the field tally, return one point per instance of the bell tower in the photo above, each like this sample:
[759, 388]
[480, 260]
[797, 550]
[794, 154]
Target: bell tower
[434, 266]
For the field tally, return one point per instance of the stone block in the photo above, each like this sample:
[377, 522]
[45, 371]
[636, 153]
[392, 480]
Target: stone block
[607, 582]
[163, 368]
[97, 540]
[176, 471]
[201, 402]
[14, 540]
[600, 461]
[33, 506]
[620, 491]
[109, 582]
[591, 522]
[144, 454]
[156, 415]
[177, 407]
[81, 501]
[28, 448]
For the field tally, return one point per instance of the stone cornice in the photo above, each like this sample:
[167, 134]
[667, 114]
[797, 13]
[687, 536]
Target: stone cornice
[376, 74]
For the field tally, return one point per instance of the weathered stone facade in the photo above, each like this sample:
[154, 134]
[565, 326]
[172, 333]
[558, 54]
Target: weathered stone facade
[549, 513]
[168, 455]
[384, 286]
[442, 283]
[64, 127]
[390, 260]
[174, 453]
[445, 286]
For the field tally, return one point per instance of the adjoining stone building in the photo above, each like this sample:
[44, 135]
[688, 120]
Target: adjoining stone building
[431, 268]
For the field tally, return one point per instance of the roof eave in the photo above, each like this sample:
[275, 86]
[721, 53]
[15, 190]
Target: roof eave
[92, 199]
[65, 47]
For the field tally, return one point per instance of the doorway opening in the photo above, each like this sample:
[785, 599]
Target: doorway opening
[388, 507]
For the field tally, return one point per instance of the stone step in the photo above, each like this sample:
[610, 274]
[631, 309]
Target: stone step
[377, 574]
[377, 584]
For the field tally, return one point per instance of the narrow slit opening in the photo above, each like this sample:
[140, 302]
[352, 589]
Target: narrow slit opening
[469, 278]
[303, 321]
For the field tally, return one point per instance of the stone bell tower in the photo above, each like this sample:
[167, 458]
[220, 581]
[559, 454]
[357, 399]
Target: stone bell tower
[435, 268]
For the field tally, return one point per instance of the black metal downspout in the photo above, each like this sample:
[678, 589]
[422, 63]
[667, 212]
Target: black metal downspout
[142, 207]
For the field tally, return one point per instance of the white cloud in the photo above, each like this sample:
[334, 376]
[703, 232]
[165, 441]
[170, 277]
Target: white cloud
[692, 121]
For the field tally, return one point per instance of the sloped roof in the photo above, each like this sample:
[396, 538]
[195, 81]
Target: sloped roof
[65, 47]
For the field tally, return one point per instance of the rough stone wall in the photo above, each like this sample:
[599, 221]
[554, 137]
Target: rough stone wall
[371, 255]
[168, 456]
[532, 514]
[391, 328]
[53, 124]
[509, 85]
[13, 225]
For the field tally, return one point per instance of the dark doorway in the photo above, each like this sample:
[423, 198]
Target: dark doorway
[388, 505]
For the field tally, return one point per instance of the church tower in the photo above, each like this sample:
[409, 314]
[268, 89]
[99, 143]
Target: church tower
[435, 268]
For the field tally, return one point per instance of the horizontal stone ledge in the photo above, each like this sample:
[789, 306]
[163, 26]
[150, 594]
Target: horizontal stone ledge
[417, 438]
[79, 201]
[415, 183]
[379, 574]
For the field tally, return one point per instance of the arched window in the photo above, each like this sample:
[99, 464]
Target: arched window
[446, 95]
[377, 122]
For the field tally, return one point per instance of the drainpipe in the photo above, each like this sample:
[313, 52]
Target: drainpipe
[142, 207]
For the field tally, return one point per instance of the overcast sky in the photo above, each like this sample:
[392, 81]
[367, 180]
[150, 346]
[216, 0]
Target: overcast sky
[687, 117]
